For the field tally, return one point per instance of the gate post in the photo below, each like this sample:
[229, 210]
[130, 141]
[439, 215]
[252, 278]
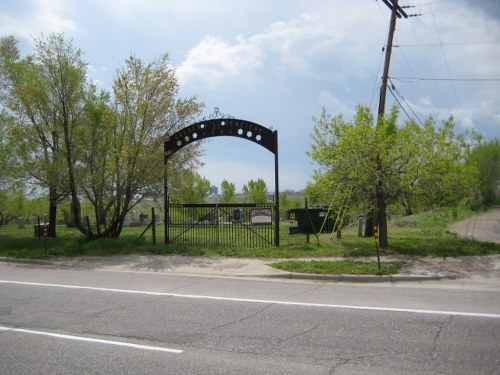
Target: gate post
[276, 193]
[166, 204]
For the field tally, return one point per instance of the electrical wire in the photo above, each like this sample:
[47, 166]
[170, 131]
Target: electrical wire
[415, 79]
[444, 56]
[445, 44]
[399, 103]
[454, 7]
[376, 83]
[404, 100]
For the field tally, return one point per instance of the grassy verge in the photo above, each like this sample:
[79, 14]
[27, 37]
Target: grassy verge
[339, 267]
[420, 235]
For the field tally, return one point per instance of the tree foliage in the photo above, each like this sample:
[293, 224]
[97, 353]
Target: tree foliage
[44, 93]
[8, 158]
[485, 159]
[124, 162]
[228, 190]
[78, 141]
[256, 191]
[368, 165]
[193, 187]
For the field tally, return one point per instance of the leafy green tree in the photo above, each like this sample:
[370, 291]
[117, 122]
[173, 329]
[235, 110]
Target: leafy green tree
[228, 190]
[256, 191]
[75, 140]
[369, 166]
[485, 160]
[122, 158]
[44, 93]
[8, 159]
[9, 162]
[290, 199]
[436, 172]
[7, 206]
[195, 188]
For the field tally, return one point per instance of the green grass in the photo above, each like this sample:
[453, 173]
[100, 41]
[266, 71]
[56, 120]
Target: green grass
[419, 235]
[339, 267]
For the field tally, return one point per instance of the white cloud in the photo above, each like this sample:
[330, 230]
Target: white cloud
[334, 105]
[452, 45]
[41, 16]
[299, 42]
[214, 60]
[305, 47]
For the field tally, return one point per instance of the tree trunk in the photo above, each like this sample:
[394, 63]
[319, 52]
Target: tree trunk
[369, 224]
[407, 206]
[53, 198]
[75, 202]
[380, 215]
[382, 221]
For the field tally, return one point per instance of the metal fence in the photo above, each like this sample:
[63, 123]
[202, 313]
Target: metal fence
[239, 224]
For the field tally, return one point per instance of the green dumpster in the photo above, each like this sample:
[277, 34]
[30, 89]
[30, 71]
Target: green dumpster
[310, 221]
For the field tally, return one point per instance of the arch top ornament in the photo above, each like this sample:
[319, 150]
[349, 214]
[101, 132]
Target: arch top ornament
[216, 127]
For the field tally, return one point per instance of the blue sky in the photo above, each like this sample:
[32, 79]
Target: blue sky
[279, 62]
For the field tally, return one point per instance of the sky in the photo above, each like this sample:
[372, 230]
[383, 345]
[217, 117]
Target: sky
[279, 62]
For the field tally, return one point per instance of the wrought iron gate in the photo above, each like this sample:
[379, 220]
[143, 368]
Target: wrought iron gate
[227, 127]
[238, 224]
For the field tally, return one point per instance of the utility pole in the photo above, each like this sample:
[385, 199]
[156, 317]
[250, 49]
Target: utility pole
[379, 212]
[396, 12]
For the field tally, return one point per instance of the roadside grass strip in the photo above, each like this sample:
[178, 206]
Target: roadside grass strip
[342, 267]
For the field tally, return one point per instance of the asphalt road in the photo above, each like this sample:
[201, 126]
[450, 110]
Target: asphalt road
[66, 321]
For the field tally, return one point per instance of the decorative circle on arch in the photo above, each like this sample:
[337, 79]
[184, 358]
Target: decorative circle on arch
[221, 127]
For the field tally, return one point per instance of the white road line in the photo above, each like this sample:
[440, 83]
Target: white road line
[274, 302]
[88, 339]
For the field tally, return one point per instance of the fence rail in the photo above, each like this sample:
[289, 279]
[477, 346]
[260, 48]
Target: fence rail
[240, 224]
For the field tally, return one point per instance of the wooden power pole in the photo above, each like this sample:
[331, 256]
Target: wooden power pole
[396, 12]
[379, 213]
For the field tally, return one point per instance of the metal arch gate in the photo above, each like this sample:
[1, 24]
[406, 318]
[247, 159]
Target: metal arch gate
[219, 224]
[250, 131]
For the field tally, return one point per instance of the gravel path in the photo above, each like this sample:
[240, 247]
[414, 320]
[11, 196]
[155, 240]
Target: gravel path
[483, 227]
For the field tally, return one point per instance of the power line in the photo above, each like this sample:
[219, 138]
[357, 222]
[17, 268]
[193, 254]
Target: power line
[393, 87]
[427, 65]
[454, 7]
[376, 84]
[397, 101]
[411, 73]
[444, 56]
[415, 79]
[445, 44]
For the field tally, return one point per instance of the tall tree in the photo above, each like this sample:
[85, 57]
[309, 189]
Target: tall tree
[44, 93]
[393, 162]
[8, 159]
[228, 191]
[256, 191]
[65, 71]
[122, 160]
[194, 188]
